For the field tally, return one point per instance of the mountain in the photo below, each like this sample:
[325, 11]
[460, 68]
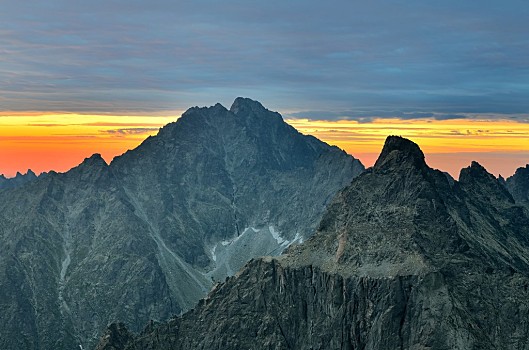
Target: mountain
[147, 236]
[518, 185]
[18, 180]
[405, 257]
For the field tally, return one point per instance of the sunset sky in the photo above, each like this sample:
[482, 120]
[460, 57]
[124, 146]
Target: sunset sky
[99, 76]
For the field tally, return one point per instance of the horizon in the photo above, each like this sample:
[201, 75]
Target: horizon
[98, 77]
[445, 143]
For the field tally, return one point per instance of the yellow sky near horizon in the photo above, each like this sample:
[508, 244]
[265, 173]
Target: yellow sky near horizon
[449, 145]
[61, 141]
[58, 142]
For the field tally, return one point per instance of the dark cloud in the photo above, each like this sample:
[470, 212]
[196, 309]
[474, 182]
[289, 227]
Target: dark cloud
[445, 58]
[449, 116]
[364, 116]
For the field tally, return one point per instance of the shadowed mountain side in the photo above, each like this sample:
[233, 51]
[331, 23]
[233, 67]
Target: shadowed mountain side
[518, 185]
[405, 257]
[74, 260]
[146, 236]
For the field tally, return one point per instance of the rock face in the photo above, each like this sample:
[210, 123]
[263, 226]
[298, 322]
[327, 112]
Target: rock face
[518, 185]
[404, 258]
[146, 236]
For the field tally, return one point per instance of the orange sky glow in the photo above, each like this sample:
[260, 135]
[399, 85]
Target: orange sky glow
[61, 141]
[501, 146]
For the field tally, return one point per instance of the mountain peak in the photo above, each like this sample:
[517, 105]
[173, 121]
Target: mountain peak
[91, 164]
[518, 185]
[522, 169]
[18, 180]
[475, 171]
[398, 150]
[95, 159]
[194, 110]
[477, 180]
[29, 175]
[243, 104]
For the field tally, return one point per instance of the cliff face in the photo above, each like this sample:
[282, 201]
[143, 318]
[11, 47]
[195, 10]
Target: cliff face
[278, 307]
[146, 236]
[404, 257]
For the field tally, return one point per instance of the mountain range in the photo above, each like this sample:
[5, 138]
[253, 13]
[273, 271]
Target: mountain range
[18, 180]
[146, 236]
[405, 257]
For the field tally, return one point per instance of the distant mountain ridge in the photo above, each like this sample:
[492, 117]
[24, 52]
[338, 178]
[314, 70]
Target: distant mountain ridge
[518, 185]
[146, 236]
[18, 180]
[404, 257]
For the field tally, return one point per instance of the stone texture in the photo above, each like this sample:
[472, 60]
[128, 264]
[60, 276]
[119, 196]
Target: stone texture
[146, 236]
[404, 258]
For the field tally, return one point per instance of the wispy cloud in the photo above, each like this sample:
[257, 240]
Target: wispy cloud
[110, 124]
[370, 116]
[130, 131]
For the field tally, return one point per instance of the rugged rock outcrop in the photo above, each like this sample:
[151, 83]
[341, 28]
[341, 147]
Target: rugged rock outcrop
[518, 185]
[404, 258]
[146, 236]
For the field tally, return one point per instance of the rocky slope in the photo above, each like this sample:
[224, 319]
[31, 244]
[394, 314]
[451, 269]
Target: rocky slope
[404, 258]
[518, 185]
[146, 236]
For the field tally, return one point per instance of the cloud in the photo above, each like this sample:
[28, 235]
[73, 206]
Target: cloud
[447, 58]
[449, 116]
[47, 125]
[367, 117]
[130, 131]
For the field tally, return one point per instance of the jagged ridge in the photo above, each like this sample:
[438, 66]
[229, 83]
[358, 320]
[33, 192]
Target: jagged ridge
[146, 236]
[19, 179]
[404, 257]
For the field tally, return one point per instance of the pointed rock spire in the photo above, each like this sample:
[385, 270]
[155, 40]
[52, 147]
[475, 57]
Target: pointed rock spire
[474, 171]
[476, 179]
[398, 151]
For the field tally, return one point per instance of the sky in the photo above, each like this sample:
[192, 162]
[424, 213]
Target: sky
[79, 77]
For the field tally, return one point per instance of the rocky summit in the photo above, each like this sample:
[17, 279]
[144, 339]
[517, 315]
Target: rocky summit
[148, 235]
[404, 258]
[518, 185]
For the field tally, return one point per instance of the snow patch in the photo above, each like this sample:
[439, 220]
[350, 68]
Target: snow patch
[213, 255]
[229, 255]
[280, 240]
[68, 242]
[297, 238]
